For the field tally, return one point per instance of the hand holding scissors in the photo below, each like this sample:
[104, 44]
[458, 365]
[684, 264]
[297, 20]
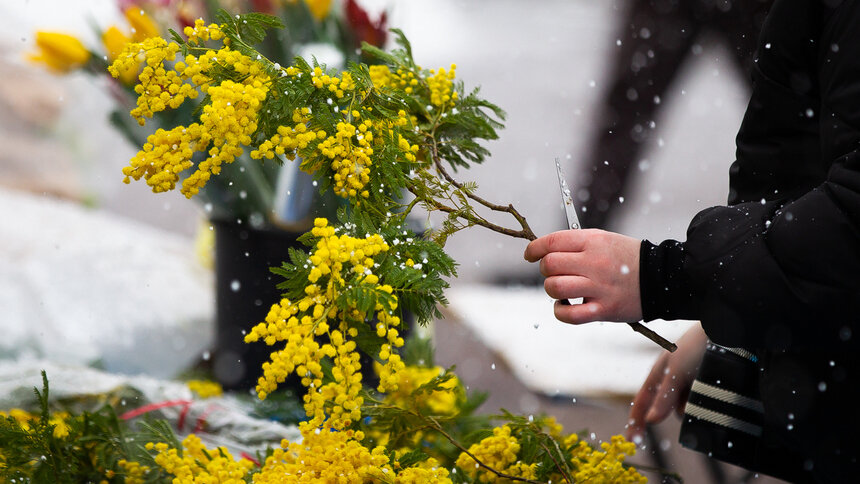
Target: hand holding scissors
[601, 266]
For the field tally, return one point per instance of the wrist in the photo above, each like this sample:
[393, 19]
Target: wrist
[665, 289]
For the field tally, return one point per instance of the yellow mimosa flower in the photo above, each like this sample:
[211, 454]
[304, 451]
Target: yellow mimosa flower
[142, 26]
[60, 52]
[319, 8]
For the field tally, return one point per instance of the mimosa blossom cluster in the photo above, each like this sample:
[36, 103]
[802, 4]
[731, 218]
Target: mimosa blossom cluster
[440, 83]
[501, 451]
[197, 464]
[498, 451]
[336, 262]
[226, 122]
[606, 466]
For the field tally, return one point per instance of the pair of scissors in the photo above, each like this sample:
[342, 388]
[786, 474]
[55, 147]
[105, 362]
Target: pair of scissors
[573, 223]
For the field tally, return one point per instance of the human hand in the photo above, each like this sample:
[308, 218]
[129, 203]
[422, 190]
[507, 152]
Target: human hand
[668, 385]
[600, 267]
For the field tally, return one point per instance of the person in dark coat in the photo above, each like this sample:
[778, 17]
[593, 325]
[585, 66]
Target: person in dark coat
[655, 39]
[776, 271]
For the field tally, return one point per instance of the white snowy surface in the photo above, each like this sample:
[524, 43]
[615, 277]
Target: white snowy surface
[85, 287]
[551, 357]
[226, 417]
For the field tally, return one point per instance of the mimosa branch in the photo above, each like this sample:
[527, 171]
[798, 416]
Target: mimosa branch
[525, 232]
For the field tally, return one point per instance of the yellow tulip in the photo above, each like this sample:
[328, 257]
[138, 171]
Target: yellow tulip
[319, 8]
[115, 41]
[142, 26]
[60, 52]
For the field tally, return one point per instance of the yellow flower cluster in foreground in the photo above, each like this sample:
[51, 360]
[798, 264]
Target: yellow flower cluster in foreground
[289, 139]
[198, 464]
[498, 451]
[337, 261]
[604, 467]
[323, 456]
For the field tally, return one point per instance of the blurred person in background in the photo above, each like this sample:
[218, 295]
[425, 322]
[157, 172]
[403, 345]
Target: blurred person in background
[655, 39]
[774, 272]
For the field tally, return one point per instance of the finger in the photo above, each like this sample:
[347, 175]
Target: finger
[586, 312]
[665, 400]
[562, 241]
[645, 398]
[563, 263]
[569, 287]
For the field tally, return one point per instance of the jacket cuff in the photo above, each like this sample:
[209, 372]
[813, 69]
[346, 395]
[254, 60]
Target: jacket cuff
[664, 287]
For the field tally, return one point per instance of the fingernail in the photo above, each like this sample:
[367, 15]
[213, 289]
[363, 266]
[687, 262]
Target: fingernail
[651, 416]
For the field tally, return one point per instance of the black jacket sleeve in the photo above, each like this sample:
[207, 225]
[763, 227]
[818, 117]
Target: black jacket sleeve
[780, 266]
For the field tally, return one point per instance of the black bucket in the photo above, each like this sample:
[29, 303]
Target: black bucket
[245, 290]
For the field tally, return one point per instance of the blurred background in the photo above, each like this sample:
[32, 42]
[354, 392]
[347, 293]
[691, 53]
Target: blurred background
[94, 272]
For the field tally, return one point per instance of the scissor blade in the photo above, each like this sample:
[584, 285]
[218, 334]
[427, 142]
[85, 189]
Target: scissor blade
[566, 198]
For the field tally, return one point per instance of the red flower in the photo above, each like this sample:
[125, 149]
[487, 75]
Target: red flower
[264, 6]
[363, 29]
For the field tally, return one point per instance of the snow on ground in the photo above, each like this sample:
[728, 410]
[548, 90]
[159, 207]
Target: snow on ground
[82, 286]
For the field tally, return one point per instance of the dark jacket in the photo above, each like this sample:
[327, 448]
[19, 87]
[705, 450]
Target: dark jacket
[777, 271]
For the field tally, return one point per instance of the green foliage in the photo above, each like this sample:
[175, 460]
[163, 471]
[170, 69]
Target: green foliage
[283, 405]
[295, 273]
[64, 447]
[458, 132]
[248, 29]
[410, 458]
[538, 445]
